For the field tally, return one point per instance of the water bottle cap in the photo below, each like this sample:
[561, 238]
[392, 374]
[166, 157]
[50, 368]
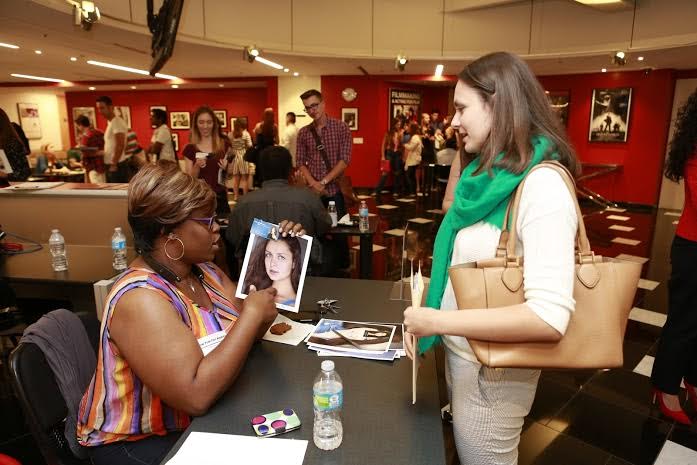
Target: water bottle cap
[332, 202]
[118, 229]
[328, 365]
[54, 231]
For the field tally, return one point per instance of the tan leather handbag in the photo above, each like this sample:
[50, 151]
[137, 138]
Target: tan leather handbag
[604, 290]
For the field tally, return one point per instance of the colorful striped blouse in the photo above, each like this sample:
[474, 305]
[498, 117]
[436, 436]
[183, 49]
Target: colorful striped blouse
[117, 406]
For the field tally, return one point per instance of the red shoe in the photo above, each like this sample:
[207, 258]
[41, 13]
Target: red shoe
[678, 415]
[691, 394]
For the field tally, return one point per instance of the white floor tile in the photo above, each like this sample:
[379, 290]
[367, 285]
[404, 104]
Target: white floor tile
[436, 211]
[363, 197]
[406, 200]
[616, 210]
[369, 214]
[624, 240]
[675, 454]
[647, 316]
[617, 217]
[645, 366]
[419, 194]
[673, 213]
[648, 284]
[618, 227]
[376, 247]
[675, 222]
[397, 232]
[385, 192]
[632, 258]
[420, 220]
[388, 207]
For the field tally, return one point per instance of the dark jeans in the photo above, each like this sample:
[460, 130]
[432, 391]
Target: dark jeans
[121, 175]
[149, 451]
[676, 357]
[411, 179]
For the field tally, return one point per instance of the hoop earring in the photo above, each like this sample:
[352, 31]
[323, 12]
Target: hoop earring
[172, 237]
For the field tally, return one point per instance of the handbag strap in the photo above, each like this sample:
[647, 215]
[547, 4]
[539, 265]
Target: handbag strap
[320, 147]
[509, 237]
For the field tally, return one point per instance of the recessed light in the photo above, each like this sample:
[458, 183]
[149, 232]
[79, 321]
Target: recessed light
[296, 74]
[92, 88]
[640, 58]
[73, 59]
[604, 70]
[129, 69]
[547, 92]
[285, 70]
[221, 85]
[38, 52]
[3, 44]
[175, 86]
[36, 78]
[133, 87]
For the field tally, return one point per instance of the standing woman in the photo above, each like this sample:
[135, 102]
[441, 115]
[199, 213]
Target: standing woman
[412, 157]
[392, 150]
[15, 151]
[205, 154]
[240, 141]
[676, 358]
[503, 116]
[265, 135]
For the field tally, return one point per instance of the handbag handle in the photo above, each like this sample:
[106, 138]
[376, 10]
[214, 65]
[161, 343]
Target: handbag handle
[508, 239]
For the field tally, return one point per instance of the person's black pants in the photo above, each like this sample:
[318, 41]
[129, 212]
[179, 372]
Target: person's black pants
[411, 179]
[676, 357]
[397, 168]
[121, 175]
[149, 451]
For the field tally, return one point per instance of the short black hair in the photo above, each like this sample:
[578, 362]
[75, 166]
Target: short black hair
[160, 114]
[292, 116]
[83, 121]
[311, 93]
[105, 99]
[275, 162]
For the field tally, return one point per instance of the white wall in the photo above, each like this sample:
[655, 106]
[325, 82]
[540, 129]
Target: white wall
[51, 115]
[289, 90]
[672, 193]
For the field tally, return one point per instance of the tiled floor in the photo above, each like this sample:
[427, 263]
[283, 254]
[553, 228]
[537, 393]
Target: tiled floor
[583, 417]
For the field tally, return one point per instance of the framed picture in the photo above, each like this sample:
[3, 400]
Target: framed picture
[405, 105]
[222, 117]
[29, 119]
[180, 120]
[559, 101]
[243, 120]
[175, 141]
[157, 107]
[350, 117]
[91, 115]
[610, 115]
[275, 261]
[125, 113]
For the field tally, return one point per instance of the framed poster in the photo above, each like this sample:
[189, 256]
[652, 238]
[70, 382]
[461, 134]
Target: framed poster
[350, 117]
[125, 113]
[559, 101]
[222, 117]
[91, 115]
[405, 105]
[180, 120]
[610, 115]
[29, 119]
[243, 120]
[175, 141]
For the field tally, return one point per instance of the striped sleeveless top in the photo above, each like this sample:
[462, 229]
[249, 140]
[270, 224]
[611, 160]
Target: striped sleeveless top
[117, 406]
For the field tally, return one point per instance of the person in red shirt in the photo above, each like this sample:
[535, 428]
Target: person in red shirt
[676, 358]
[91, 144]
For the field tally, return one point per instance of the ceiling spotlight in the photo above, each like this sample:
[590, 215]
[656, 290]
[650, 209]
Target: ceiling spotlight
[285, 70]
[640, 58]
[73, 59]
[85, 13]
[439, 71]
[221, 85]
[400, 62]
[38, 52]
[250, 53]
[604, 70]
[619, 58]
[92, 88]
[296, 74]
[133, 87]
[175, 86]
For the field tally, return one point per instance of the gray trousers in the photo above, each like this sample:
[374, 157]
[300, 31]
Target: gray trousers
[488, 407]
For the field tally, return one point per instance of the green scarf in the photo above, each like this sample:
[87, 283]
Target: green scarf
[477, 198]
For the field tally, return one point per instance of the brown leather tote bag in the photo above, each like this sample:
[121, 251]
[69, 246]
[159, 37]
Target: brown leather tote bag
[604, 290]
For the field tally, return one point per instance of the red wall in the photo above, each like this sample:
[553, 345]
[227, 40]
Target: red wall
[643, 154]
[249, 102]
[373, 109]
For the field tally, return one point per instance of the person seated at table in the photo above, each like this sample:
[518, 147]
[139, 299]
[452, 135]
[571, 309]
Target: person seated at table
[15, 153]
[47, 161]
[277, 264]
[74, 159]
[152, 375]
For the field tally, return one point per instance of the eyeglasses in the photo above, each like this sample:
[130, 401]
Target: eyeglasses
[312, 107]
[207, 222]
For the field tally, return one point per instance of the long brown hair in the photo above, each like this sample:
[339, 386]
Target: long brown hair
[520, 110]
[217, 141]
[7, 132]
[256, 269]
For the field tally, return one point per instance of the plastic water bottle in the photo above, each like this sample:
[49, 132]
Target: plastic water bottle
[363, 217]
[56, 244]
[118, 247]
[328, 397]
[332, 213]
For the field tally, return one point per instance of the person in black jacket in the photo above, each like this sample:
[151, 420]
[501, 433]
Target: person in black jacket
[15, 151]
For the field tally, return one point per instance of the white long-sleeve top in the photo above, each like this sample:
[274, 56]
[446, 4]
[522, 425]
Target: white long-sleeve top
[413, 151]
[546, 227]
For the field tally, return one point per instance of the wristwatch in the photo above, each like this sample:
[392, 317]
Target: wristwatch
[323, 182]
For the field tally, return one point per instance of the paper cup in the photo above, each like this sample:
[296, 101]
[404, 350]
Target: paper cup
[202, 156]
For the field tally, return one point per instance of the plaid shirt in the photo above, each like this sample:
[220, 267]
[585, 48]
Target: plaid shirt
[336, 137]
[94, 138]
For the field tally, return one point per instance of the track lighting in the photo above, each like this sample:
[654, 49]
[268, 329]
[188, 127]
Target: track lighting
[250, 53]
[400, 62]
[619, 58]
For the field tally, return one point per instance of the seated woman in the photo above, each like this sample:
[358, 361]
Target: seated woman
[276, 263]
[152, 375]
[47, 161]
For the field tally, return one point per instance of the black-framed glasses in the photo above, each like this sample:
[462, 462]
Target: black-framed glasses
[207, 222]
[312, 107]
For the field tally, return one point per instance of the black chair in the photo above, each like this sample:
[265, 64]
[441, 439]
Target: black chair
[41, 400]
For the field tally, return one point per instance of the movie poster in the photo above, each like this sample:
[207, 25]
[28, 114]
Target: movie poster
[610, 115]
[405, 105]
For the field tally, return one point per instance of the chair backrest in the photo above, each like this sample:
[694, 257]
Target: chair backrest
[41, 400]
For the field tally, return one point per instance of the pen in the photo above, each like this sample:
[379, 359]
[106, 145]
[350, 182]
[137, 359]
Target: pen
[347, 339]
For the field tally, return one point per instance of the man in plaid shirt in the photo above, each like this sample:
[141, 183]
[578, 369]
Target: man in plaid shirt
[336, 138]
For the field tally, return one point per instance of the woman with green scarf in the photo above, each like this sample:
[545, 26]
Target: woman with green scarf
[502, 115]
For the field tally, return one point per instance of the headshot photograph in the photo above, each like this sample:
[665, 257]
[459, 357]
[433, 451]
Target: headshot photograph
[275, 261]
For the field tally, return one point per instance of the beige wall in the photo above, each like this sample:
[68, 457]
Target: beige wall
[289, 90]
[52, 113]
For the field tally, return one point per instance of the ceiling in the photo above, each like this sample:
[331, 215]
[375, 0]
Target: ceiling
[36, 27]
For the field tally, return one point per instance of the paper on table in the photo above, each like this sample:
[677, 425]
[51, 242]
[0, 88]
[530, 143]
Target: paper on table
[5, 164]
[217, 449]
[417, 290]
[297, 332]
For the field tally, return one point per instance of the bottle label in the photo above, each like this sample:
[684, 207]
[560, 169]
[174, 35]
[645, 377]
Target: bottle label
[118, 244]
[363, 212]
[328, 402]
